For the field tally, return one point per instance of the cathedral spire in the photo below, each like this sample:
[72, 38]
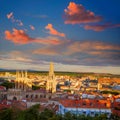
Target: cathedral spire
[51, 82]
[51, 70]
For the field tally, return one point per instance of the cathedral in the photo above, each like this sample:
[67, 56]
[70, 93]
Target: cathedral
[51, 82]
[23, 86]
[22, 82]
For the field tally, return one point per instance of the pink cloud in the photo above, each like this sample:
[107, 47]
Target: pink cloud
[32, 27]
[49, 41]
[53, 31]
[45, 51]
[19, 22]
[20, 37]
[101, 27]
[17, 36]
[90, 47]
[77, 14]
[11, 17]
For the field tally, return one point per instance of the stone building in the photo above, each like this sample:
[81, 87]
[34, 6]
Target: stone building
[23, 87]
[51, 82]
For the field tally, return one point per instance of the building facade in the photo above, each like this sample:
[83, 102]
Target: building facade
[22, 82]
[85, 106]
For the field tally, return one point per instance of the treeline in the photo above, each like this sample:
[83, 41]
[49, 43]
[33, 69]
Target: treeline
[72, 74]
[34, 114]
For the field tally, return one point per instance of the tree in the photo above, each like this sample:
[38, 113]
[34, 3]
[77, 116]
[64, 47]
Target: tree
[6, 114]
[46, 114]
[32, 113]
[8, 84]
[69, 116]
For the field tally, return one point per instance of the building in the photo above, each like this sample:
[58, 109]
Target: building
[22, 82]
[116, 107]
[90, 107]
[51, 82]
[23, 88]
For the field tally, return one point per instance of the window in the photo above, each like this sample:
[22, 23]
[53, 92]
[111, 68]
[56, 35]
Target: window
[40, 96]
[84, 103]
[26, 96]
[31, 96]
[36, 96]
[84, 112]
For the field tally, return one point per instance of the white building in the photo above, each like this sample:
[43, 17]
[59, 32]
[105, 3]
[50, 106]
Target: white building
[85, 106]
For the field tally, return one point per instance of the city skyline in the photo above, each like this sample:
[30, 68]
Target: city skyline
[77, 35]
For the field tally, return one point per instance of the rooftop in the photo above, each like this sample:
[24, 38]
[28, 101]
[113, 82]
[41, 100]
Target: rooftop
[86, 103]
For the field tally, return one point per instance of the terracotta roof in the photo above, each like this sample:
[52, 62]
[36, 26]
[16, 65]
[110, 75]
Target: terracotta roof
[2, 88]
[19, 105]
[52, 107]
[55, 99]
[3, 106]
[37, 99]
[116, 108]
[86, 103]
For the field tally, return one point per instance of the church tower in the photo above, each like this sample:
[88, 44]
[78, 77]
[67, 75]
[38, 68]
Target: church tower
[51, 82]
[22, 80]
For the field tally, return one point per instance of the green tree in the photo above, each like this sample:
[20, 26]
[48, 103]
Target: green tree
[69, 116]
[32, 113]
[46, 114]
[8, 84]
[6, 114]
[21, 115]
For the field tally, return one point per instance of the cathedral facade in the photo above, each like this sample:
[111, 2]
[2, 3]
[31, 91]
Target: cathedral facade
[23, 87]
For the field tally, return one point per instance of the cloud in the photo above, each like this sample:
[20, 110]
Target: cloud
[49, 41]
[53, 31]
[18, 56]
[88, 46]
[101, 27]
[20, 37]
[17, 36]
[77, 14]
[45, 51]
[82, 53]
[42, 16]
[19, 22]
[56, 50]
[11, 17]
[32, 27]
[25, 60]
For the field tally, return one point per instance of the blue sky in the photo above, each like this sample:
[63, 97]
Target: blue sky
[78, 35]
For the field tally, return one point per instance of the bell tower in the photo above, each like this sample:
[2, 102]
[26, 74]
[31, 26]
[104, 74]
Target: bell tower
[22, 80]
[51, 82]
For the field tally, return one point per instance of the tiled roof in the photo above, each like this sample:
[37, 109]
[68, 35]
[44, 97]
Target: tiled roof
[86, 103]
[37, 100]
[19, 104]
[2, 106]
[116, 108]
[2, 88]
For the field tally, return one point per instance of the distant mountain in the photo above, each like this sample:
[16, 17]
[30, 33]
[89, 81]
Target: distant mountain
[13, 70]
[5, 70]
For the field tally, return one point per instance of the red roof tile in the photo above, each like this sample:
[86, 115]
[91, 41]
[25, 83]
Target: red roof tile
[86, 103]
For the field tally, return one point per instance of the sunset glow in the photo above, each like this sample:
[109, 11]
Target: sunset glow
[81, 36]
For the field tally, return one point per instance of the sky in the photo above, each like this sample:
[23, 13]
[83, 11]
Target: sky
[77, 35]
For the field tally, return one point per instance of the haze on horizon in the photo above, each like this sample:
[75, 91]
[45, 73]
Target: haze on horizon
[79, 36]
